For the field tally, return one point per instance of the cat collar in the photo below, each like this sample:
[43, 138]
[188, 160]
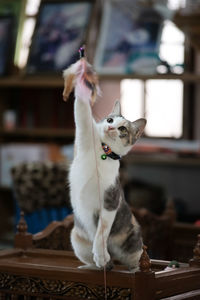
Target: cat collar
[108, 152]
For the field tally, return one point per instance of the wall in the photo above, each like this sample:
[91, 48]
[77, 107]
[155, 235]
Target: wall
[110, 93]
[180, 182]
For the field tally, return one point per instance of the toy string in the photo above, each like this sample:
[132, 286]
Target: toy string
[82, 51]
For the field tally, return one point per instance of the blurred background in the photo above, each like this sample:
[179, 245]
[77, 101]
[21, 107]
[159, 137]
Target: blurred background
[146, 53]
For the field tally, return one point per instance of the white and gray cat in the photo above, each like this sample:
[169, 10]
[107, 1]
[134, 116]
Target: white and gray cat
[104, 227]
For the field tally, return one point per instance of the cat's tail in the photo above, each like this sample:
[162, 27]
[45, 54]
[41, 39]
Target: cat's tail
[82, 77]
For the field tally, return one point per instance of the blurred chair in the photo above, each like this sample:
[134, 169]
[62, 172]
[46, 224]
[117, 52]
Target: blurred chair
[56, 236]
[154, 213]
[41, 191]
[157, 232]
[141, 194]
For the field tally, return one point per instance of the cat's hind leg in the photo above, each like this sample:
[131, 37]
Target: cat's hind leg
[82, 249]
[126, 247]
[132, 261]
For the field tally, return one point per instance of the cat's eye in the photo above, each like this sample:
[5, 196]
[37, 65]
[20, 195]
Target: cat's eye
[122, 128]
[110, 120]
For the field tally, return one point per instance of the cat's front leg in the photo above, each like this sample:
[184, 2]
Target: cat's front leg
[100, 252]
[100, 255]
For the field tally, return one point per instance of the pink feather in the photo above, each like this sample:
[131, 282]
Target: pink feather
[83, 78]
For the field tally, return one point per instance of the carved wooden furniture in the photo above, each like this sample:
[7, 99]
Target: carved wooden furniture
[183, 240]
[156, 232]
[56, 235]
[30, 273]
[51, 274]
[165, 239]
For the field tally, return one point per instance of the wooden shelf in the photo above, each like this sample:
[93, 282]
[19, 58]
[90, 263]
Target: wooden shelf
[187, 77]
[62, 135]
[57, 81]
[32, 82]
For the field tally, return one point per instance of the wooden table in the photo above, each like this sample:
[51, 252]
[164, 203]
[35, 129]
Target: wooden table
[52, 274]
[33, 273]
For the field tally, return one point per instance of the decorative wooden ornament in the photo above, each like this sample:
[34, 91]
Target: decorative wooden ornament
[196, 250]
[23, 239]
[22, 225]
[145, 263]
[195, 261]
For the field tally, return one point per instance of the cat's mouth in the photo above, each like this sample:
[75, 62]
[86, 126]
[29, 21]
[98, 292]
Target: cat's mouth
[111, 132]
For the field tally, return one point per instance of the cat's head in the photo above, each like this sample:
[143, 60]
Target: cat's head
[118, 133]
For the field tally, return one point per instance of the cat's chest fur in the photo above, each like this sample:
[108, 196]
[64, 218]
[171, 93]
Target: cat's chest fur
[90, 177]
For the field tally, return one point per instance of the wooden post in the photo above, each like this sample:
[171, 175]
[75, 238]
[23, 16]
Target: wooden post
[23, 239]
[144, 279]
[170, 211]
[195, 261]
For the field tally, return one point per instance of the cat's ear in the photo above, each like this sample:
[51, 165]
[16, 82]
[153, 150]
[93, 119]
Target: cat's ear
[116, 109]
[139, 126]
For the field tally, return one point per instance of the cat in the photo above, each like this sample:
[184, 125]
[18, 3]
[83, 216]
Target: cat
[104, 227]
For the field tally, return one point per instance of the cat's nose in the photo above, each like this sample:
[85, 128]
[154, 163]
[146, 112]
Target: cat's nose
[110, 128]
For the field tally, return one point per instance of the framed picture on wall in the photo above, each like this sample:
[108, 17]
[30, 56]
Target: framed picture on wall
[16, 9]
[129, 39]
[60, 31]
[6, 44]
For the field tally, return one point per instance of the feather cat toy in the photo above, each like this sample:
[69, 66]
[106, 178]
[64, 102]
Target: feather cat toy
[104, 227]
[83, 73]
